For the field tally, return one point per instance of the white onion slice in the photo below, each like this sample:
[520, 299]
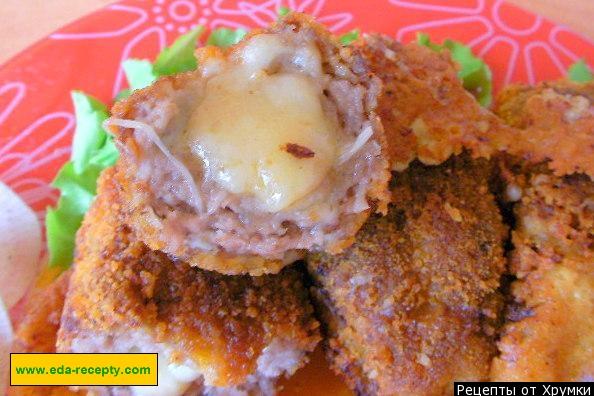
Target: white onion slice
[6, 337]
[352, 149]
[152, 135]
[20, 246]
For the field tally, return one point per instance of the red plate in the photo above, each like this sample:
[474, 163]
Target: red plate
[36, 115]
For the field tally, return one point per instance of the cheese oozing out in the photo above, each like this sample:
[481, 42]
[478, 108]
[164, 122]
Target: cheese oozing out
[265, 133]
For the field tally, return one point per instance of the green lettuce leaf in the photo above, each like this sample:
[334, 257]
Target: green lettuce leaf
[78, 189]
[223, 37]
[61, 227]
[107, 155]
[77, 193]
[179, 57]
[139, 73]
[349, 37]
[89, 135]
[424, 40]
[62, 222]
[580, 72]
[92, 151]
[283, 10]
[475, 74]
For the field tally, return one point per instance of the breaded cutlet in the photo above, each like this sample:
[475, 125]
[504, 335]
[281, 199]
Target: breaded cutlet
[214, 333]
[425, 110]
[549, 333]
[270, 149]
[555, 123]
[412, 306]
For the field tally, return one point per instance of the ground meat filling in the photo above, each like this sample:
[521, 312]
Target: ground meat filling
[269, 149]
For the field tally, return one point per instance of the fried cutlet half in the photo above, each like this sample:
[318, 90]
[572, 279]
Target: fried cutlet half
[271, 148]
[412, 305]
[555, 123]
[425, 110]
[37, 331]
[549, 333]
[214, 333]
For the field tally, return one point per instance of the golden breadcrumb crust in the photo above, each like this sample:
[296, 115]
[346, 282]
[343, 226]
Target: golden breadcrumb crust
[412, 305]
[549, 334]
[426, 112]
[222, 322]
[41, 319]
[555, 122]
[227, 262]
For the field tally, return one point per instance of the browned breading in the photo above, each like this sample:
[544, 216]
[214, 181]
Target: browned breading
[38, 329]
[549, 335]
[39, 325]
[411, 306]
[426, 112]
[555, 122]
[238, 240]
[428, 115]
[221, 322]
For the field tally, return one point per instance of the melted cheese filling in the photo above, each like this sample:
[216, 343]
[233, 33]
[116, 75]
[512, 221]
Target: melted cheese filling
[264, 134]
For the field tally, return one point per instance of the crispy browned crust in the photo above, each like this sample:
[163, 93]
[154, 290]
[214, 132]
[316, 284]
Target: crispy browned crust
[38, 329]
[544, 131]
[426, 112]
[221, 321]
[139, 215]
[39, 326]
[428, 115]
[411, 306]
[549, 333]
